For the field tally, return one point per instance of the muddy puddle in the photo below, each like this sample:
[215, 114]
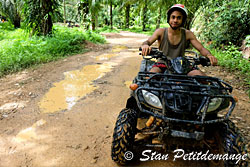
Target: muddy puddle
[105, 57]
[77, 84]
[29, 134]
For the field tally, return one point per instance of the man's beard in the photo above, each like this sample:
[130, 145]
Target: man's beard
[175, 28]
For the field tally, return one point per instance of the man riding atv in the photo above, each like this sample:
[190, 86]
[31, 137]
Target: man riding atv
[172, 41]
[175, 105]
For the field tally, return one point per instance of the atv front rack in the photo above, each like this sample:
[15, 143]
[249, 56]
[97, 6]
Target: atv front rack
[202, 86]
[184, 80]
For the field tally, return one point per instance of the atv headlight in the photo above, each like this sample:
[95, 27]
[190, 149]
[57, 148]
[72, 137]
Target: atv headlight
[151, 99]
[214, 104]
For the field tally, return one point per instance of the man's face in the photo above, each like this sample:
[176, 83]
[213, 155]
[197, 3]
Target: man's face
[175, 20]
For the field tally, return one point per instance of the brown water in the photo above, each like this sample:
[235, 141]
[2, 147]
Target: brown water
[77, 84]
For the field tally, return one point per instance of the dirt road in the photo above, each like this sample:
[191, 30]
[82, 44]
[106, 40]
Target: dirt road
[63, 113]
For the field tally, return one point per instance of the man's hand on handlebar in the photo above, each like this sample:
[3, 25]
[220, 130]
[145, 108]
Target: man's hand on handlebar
[213, 60]
[145, 49]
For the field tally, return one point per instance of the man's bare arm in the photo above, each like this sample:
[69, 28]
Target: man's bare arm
[146, 44]
[200, 48]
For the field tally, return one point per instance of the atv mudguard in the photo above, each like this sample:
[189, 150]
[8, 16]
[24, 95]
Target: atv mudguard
[132, 104]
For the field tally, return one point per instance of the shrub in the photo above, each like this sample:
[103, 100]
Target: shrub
[224, 21]
[231, 58]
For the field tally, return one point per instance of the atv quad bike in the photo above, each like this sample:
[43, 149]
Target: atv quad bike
[181, 111]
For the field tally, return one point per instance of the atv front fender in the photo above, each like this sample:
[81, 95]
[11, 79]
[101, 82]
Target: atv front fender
[131, 103]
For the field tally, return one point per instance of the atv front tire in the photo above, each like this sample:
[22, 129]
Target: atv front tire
[230, 141]
[124, 135]
[234, 143]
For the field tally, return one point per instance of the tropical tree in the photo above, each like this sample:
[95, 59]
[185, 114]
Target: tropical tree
[39, 15]
[109, 5]
[83, 12]
[92, 8]
[144, 15]
[70, 10]
[125, 4]
[12, 10]
[129, 7]
[111, 13]
[64, 11]
[160, 7]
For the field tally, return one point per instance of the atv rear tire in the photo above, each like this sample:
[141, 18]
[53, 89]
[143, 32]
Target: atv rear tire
[124, 135]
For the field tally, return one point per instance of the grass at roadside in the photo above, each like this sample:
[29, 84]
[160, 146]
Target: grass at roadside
[149, 31]
[107, 29]
[232, 59]
[136, 29]
[19, 51]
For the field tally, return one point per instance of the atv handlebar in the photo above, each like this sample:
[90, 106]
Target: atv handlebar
[154, 53]
[197, 60]
[204, 61]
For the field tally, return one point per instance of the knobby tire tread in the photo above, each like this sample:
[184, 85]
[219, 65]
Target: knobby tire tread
[123, 136]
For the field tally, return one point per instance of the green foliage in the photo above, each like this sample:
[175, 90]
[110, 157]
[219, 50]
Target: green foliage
[106, 29]
[150, 31]
[88, 11]
[138, 29]
[248, 41]
[226, 24]
[12, 10]
[231, 58]
[19, 51]
[7, 26]
[224, 21]
[71, 7]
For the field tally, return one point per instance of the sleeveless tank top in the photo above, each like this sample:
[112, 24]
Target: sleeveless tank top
[172, 51]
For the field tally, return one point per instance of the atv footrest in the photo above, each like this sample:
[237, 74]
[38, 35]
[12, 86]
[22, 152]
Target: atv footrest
[196, 135]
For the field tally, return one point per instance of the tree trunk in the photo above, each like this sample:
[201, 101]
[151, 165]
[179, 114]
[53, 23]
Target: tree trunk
[50, 24]
[188, 22]
[64, 11]
[96, 20]
[127, 16]
[17, 21]
[47, 26]
[17, 24]
[47, 23]
[85, 12]
[93, 21]
[127, 12]
[158, 22]
[248, 19]
[144, 15]
[84, 19]
[111, 16]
